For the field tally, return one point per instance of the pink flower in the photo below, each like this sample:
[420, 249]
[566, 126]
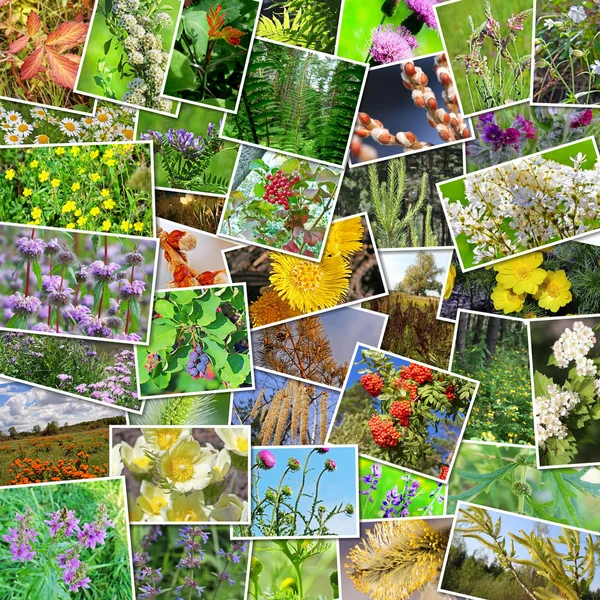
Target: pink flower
[265, 460]
[330, 465]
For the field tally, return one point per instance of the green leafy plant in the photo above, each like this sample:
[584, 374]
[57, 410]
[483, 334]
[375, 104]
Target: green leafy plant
[211, 409]
[210, 52]
[506, 477]
[309, 24]
[288, 205]
[297, 101]
[198, 342]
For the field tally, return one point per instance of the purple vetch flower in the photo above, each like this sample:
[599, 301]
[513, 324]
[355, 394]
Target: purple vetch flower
[23, 305]
[186, 143]
[423, 9]
[102, 272]
[391, 44]
[265, 459]
[30, 249]
[132, 291]
[153, 136]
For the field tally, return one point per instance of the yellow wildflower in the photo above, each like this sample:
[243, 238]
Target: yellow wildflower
[94, 211]
[10, 173]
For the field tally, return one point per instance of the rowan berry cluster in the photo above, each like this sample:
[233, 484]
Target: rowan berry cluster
[417, 373]
[383, 431]
[401, 411]
[373, 384]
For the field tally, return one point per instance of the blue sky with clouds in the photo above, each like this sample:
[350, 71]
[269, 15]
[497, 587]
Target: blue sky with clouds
[335, 487]
[22, 406]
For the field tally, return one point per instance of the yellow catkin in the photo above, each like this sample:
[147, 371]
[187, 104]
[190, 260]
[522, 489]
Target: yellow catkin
[270, 422]
[283, 418]
[256, 406]
[323, 424]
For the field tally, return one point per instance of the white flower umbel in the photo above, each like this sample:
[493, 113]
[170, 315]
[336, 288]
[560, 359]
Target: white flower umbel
[549, 409]
[542, 201]
[575, 345]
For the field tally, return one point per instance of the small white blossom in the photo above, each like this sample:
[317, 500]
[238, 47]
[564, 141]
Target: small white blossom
[577, 14]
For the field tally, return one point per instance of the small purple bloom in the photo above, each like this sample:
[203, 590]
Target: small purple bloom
[132, 291]
[265, 460]
[102, 272]
[23, 305]
[323, 450]
[581, 118]
[391, 44]
[525, 126]
[423, 9]
[30, 249]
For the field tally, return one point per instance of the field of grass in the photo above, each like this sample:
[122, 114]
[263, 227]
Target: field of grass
[67, 456]
[413, 329]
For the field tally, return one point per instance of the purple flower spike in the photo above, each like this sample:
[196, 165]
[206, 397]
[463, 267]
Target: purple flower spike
[423, 9]
[391, 44]
[265, 460]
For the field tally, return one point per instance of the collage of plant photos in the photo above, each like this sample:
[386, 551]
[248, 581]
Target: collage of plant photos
[300, 299]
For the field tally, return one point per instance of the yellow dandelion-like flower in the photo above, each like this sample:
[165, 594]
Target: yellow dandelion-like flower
[59, 151]
[270, 308]
[76, 186]
[507, 300]
[555, 291]
[106, 225]
[44, 176]
[94, 211]
[125, 226]
[94, 154]
[10, 174]
[138, 226]
[104, 193]
[450, 282]
[36, 213]
[55, 183]
[109, 204]
[345, 237]
[522, 274]
[34, 164]
[70, 225]
[75, 150]
[27, 192]
[69, 206]
[307, 285]
[397, 558]
[94, 177]
[78, 212]
[82, 221]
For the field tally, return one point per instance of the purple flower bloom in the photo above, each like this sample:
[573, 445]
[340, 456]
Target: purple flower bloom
[423, 9]
[21, 538]
[323, 450]
[134, 259]
[391, 44]
[581, 118]
[330, 465]
[487, 118]
[52, 247]
[102, 272]
[371, 480]
[60, 298]
[525, 126]
[153, 136]
[497, 137]
[50, 283]
[186, 143]
[76, 313]
[23, 305]
[94, 327]
[30, 249]
[132, 291]
[265, 460]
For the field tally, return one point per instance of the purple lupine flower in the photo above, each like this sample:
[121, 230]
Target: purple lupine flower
[30, 249]
[102, 272]
[423, 9]
[371, 480]
[391, 44]
[330, 465]
[265, 459]
[132, 291]
[23, 305]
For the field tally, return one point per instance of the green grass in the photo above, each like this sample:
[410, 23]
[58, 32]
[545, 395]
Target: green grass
[455, 30]
[51, 449]
[359, 19]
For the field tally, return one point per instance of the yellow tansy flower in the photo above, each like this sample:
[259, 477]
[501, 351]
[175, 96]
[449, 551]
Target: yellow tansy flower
[10, 173]
[106, 225]
[94, 211]
[44, 176]
[55, 182]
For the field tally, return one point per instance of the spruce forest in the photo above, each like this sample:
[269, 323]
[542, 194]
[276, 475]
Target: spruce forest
[297, 101]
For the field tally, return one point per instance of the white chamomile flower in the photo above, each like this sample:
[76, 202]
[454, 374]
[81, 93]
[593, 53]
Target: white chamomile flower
[39, 112]
[69, 126]
[236, 439]
[12, 139]
[13, 117]
[23, 129]
[187, 466]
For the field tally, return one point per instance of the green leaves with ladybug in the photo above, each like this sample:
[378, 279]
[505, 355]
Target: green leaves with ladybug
[198, 342]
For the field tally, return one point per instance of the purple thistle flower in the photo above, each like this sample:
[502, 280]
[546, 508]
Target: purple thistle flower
[323, 450]
[23, 305]
[30, 249]
[391, 44]
[265, 459]
[423, 9]
[293, 464]
[330, 465]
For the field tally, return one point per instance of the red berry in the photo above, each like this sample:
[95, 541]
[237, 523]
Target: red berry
[401, 411]
[417, 373]
[450, 393]
[373, 384]
[383, 431]
[444, 472]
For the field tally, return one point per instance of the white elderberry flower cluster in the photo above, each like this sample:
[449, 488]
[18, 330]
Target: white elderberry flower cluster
[143, 46]
[541, 201]
[549, 409]
[575, 345]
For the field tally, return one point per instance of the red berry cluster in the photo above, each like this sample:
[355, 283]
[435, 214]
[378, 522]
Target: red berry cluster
[383, 431]
[372, 383]
[450, 393]
[411, 388]
[402, 412]
[417, 373]
[444, 472]
[278, 191]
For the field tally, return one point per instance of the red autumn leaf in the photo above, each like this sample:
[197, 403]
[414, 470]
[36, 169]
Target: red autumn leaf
[63, 70]
[33, 23]
[291, 246]
[231, 35]
[215, 21]
[18, 45]
[67, 35]
[32, 65]
[314, 236]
